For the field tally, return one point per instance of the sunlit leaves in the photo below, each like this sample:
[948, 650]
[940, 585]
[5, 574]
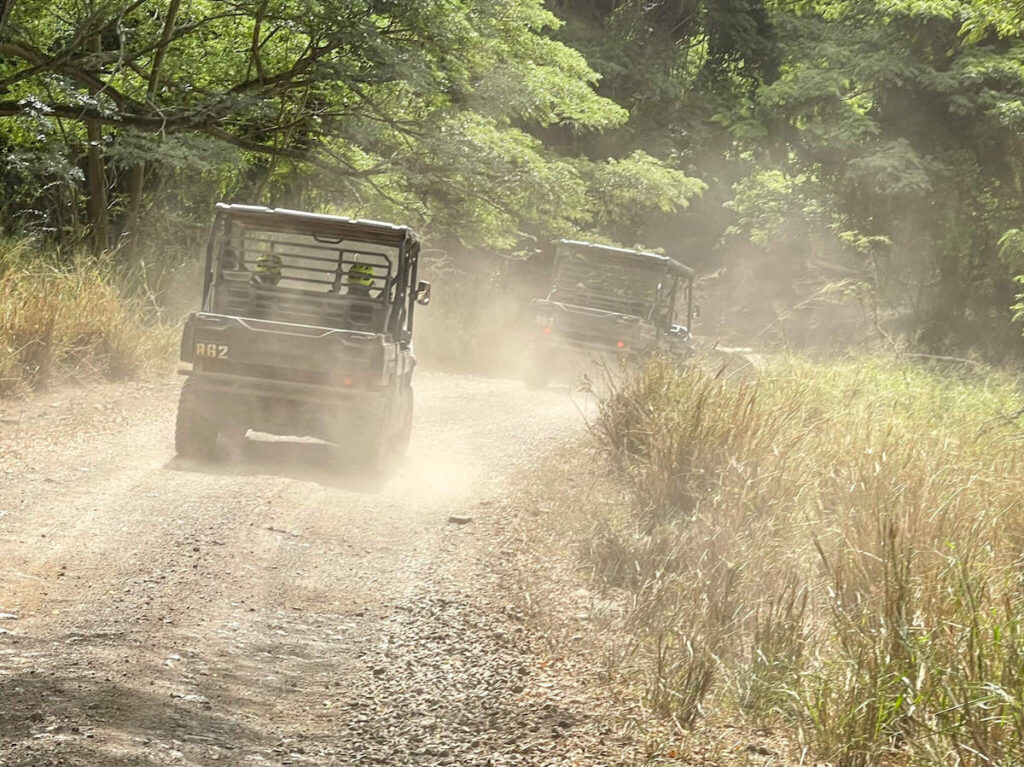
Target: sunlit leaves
[1018, 308]
[625, 192]
[486, 181]
[1011, 250]
[418, 110]
[1004, 18]
[768, 204]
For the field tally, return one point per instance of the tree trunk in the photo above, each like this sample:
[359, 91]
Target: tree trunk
[96, 177]
[6, 6]
[136, 179]
[137, 175]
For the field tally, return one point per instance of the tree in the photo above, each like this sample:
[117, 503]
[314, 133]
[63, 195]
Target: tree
[418, 109]
[909, 114]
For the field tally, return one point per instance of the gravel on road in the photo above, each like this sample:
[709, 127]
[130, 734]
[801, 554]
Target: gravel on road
[269, 608]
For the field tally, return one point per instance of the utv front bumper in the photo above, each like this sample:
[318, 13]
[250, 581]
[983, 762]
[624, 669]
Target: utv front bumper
[556, 345]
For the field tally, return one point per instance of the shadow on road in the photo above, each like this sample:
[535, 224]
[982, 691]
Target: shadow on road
[49, 720]
[307, 461]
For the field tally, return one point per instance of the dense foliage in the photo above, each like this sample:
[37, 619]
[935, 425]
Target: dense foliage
[406, 110]
[863, 148]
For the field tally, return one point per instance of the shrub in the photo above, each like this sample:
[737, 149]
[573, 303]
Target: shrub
[68, 320]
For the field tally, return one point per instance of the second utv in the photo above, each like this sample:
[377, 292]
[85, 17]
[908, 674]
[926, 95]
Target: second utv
[609, 303]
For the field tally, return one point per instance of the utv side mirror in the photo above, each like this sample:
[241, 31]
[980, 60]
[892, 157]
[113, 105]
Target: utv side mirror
[680, 332]
[422, 293]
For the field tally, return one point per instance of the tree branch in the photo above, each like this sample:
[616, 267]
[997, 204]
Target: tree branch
[292, 154]
[5, 13]
[61, 65]
[78, 112]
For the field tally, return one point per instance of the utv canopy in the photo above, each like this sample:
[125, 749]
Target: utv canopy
[674, 267]
[336, 227]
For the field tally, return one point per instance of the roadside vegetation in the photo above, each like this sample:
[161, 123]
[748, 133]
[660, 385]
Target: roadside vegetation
[868, 149]
[61, 320]
[836, 548]
[829, 548]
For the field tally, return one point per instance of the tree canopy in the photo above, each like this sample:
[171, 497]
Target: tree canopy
[872, 141]
[392, 108]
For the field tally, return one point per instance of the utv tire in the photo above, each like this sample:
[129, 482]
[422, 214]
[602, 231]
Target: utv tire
[195, 437]
[537, 373]
[387, 443]
[377, 459]
[404, 433]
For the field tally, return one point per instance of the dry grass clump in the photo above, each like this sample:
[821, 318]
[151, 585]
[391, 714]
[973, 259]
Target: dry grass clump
[838, 547]
[68, 321]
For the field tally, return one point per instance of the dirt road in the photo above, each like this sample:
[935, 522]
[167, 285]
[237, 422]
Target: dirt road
[267, 609]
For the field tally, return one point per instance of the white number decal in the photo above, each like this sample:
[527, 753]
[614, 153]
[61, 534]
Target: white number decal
[216, 351]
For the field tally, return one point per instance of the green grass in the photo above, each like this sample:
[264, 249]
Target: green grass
[836, 548]
[60, 321]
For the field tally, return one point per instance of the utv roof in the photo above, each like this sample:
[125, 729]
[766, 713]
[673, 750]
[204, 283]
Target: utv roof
[282, 219]
[673, 265]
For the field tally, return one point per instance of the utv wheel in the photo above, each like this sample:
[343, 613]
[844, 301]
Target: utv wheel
[537, 373]
[195, 436]
[404, 433]
[378, 458]
[387, 442]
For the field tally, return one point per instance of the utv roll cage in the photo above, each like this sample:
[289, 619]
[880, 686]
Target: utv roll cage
[621, 280]
[312, 255]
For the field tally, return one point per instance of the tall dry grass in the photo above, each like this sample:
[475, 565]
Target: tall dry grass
[836, 547]
[69, 320]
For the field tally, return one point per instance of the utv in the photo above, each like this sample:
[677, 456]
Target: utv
[608, 302]
[305, 330]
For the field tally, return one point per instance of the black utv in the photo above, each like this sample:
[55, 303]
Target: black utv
[608, 303]
[305, 330]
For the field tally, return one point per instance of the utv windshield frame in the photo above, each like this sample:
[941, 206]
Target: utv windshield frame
[314, 250]
[608, 275]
